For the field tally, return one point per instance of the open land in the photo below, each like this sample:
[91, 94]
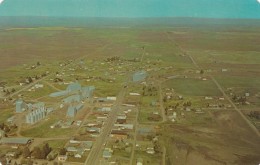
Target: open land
[198, 104]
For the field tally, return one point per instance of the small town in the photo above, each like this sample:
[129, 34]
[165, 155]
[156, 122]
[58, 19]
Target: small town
[129, 83]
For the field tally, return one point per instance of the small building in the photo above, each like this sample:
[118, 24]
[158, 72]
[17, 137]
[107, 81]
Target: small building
[52, 155]
[107, 153]
[139, 161]
[109, 98]
[62, 158]
[139, 76]
[72, 149]
[118, 136]
[93, 130]
[16, 141]
[224, 70]
[125, 126]
[105, 109]
[121, 119]
[247, 94]
[87, 145]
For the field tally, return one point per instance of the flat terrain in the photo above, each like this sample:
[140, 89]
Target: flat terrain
[189, 96]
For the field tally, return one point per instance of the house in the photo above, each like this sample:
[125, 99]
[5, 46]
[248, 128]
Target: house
[247, 94]
[77, 155]
[52, 155]
[62, 158]
[125, 126]
[93, 130]
[208, 98]
[72, 149]
[118, 136]
[111, 98]
[224, 70]
[104, 109]
[87, 145]
[150, 150]
[10, 154]
[139, 76]
[107, 153]
[134, 94]
[121, 119]
[139, 161]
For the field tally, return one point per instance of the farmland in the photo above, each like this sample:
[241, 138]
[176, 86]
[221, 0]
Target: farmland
[199, 103]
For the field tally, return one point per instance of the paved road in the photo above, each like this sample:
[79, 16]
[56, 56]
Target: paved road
[161, 102]
[135, 136]
[96, 152]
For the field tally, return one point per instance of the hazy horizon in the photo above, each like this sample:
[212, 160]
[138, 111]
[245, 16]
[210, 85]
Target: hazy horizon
[239, 9]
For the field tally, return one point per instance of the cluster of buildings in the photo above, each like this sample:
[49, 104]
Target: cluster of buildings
[76, 95]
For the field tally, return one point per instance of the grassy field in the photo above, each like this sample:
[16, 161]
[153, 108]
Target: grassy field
[215, 137]
[193, 87]
[6, 113]
[43, 129]
[205, 141]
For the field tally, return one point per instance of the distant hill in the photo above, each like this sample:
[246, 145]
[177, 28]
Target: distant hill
[6, 22]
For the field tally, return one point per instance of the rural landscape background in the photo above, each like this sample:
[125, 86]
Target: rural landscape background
[159, 90]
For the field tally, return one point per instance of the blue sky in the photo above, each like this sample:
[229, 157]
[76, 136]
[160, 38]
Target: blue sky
[132, 8]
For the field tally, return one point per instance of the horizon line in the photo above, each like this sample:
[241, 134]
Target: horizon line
[156, 17]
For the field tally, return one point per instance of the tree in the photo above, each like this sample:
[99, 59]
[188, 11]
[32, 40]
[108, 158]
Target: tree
[26, 152]
[201, 71]
[13, 90]
[37, 153]
[46, 149]
[63, 151]
[30, 79]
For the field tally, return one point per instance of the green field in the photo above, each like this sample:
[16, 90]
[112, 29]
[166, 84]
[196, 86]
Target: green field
[193, 87]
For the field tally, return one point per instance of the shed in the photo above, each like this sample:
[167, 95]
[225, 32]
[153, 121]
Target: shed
[16, 141]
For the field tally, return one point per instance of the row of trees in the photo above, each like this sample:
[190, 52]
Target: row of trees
[37, 152]
[254, 114]
[111, 59]
[8, 92]
[7, 128]
[149, 91]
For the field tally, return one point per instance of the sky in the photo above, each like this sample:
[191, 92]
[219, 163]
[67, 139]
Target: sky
[132, 8]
